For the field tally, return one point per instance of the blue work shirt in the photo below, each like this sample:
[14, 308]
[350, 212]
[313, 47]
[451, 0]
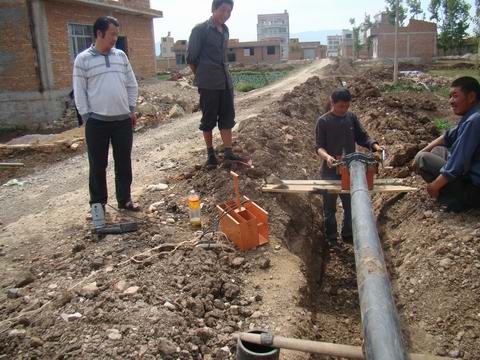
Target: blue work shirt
[463, 144]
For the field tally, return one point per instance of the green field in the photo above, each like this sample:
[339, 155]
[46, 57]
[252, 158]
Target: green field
[164, 76]
[456, 73]
[249, 80]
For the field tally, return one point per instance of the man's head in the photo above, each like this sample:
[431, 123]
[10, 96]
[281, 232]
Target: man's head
[106, 32]
[221, 10]
[464, 94]
[340, 100]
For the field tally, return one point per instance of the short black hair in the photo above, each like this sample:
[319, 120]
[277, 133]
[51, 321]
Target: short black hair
[217, 3]
[467, 84]
[102, 24]
[341, 95]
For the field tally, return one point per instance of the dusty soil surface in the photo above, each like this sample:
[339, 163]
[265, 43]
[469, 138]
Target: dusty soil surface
[53, 268]
[170, 291]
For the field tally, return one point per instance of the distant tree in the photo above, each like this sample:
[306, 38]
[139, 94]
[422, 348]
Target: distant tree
[367, 25]
[452, 17]
[415, 8]
[390, 9]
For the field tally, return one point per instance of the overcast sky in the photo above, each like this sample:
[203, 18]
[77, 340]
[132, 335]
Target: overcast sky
[179, 16]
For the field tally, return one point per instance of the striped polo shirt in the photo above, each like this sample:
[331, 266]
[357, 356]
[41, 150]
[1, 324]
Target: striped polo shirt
[104, 85]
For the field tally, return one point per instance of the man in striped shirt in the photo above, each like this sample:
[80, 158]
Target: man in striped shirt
[105, 94]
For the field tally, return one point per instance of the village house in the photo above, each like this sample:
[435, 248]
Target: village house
[254, 52]
[308, 50]
[40, 39]
[417, 42]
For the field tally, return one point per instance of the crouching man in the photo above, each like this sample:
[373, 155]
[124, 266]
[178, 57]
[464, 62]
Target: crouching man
[451, 163]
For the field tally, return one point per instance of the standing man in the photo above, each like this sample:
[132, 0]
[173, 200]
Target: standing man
[451, 163]
[337, 133]
[207, 53]
[106, 93]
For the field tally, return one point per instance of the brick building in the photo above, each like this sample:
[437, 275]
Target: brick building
[308, 50]
[40, 39]
[416, 42]
[254, 52]
[346, 44]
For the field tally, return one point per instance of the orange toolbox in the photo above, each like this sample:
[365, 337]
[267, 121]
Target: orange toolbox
[244, 222]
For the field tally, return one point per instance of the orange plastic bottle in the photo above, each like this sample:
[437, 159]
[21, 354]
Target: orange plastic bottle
[194, 209]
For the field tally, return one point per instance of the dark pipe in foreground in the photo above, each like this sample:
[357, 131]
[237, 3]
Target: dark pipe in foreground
[251, 351]
[381, 328]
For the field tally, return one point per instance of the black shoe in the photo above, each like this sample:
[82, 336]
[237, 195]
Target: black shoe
[212, 161]
[231, 157]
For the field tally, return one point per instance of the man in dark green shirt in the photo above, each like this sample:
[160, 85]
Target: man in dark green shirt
[337, 134]
[207, 49]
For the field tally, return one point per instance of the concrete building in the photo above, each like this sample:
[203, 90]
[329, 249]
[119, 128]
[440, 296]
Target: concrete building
[39, 42]
[273, 27]
[166, 46]
[333, 45]
[346, 44]
[180, 50]
[254, 52]
[306, 50]
[417, 42]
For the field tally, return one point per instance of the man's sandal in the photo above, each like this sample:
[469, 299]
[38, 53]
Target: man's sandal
[131, 206]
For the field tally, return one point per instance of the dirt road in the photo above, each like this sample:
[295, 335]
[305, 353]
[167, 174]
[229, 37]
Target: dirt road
[42, 212]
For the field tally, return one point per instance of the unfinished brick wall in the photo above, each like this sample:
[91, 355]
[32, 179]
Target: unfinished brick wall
[417, 40]
[138, 30]
[17, 56]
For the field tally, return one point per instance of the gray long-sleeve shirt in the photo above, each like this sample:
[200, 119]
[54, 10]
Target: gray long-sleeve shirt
[338, 135]
[207, 48]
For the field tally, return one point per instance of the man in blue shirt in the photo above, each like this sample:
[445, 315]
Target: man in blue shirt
[451, 163]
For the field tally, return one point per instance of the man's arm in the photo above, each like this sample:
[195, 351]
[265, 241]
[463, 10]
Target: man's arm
[326, 156]
[459, 161]
[440, 141]
[80, 89]
[362, 138]
[194, 48]
[132, 91]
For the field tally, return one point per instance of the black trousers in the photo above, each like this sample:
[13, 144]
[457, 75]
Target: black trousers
[330, 210]
[217, 108]
[98, 135]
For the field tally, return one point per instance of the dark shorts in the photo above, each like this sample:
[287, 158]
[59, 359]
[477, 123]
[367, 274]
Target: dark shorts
[217, 107]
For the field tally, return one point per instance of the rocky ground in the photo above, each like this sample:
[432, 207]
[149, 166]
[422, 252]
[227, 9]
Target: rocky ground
[166, 292]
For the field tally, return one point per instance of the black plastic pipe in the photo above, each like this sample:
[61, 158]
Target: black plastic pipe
[381, 327]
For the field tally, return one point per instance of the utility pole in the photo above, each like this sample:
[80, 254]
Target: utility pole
[395, 54]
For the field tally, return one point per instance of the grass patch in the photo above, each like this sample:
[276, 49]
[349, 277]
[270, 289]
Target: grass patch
[456, 73]
[163, 76]
[245, 87]
[442, 124]
[249, 80]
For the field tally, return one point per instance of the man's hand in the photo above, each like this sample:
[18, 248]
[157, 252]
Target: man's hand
[133, 116]
[330, 160]
[377, 147]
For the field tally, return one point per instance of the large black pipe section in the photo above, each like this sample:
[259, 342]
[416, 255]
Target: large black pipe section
[381, 327]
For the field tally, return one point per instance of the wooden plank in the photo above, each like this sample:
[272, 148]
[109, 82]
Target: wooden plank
[335, 189]
[338, 182]
[12, 164]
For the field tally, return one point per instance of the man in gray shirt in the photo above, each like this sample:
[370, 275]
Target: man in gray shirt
[207, 52]
[106, 91]
[336, 134]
